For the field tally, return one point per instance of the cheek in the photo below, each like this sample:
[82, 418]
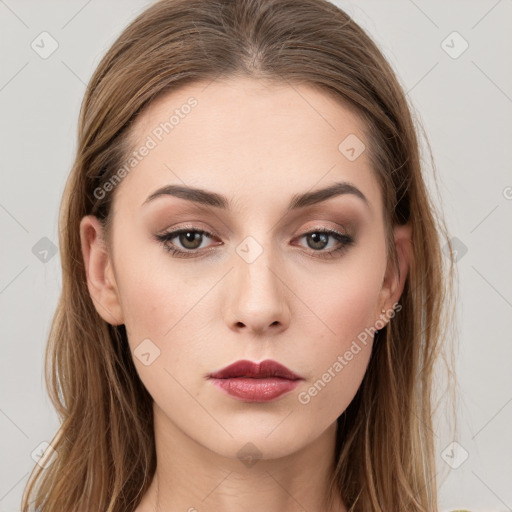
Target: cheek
[350, 308]
[149, 307]
[161, 324]
[170, 306]
[154, 295]
[343, 326]
[339, 363]
[344, 298]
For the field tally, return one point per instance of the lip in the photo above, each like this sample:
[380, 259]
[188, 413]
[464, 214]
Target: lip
[255, 382]
[265, 369]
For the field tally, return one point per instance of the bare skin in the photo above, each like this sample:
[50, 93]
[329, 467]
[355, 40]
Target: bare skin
[258, 144]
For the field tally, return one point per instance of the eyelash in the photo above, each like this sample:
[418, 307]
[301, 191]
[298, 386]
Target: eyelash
[165, 238]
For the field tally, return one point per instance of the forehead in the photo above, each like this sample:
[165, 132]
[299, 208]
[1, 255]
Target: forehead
[254, 141]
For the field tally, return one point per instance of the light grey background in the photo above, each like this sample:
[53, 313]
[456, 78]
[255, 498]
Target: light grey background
[465, 105]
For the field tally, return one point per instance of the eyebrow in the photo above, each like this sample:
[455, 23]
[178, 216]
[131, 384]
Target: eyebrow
[208, 198]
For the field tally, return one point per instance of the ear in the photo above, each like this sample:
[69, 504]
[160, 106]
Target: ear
[99, 270]
[394, 281]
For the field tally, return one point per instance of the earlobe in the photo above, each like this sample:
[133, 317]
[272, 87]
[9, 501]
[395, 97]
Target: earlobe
[395, 278]
[98, 267]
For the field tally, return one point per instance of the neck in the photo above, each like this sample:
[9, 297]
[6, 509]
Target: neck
[192, 477]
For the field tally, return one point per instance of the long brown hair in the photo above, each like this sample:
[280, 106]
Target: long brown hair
[105, 458]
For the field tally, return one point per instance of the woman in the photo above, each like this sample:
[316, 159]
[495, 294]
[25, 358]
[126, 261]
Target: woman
[253, 287]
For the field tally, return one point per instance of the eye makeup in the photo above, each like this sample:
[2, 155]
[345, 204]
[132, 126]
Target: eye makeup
[188, 234]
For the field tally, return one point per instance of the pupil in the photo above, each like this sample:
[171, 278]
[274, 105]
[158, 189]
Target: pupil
[190, 237]
[319, 238]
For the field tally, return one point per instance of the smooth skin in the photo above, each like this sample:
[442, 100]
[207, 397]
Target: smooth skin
[258, 144]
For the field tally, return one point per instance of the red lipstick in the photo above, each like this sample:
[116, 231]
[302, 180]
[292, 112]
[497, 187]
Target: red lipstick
[253, 382]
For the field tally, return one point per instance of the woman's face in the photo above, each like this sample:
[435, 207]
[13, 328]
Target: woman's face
[264, 283]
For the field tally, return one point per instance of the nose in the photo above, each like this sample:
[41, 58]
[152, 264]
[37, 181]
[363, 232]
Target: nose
[257, 295]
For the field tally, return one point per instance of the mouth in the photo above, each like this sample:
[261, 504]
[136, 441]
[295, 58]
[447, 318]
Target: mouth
[253, 382]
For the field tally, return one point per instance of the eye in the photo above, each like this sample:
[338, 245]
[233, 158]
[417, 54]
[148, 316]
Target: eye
[318, 240]
[191, 240]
